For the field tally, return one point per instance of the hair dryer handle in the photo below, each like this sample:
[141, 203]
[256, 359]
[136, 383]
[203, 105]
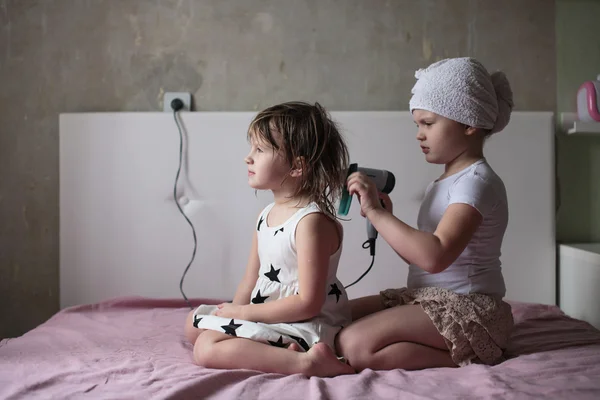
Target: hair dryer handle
[371, 231]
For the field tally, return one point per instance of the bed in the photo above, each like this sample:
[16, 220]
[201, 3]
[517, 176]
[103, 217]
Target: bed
[124, 246]
[133, 348]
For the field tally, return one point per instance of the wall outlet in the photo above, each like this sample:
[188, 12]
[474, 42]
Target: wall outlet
[183, 96]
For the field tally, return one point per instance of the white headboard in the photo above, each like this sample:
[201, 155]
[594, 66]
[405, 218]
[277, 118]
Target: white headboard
[121, 232]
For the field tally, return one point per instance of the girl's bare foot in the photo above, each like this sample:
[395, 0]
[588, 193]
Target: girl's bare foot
[322, 361]
[294, 347]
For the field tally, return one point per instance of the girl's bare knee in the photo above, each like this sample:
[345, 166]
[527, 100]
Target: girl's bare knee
[202, 349]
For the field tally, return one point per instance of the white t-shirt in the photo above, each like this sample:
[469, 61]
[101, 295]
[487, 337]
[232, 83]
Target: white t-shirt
[478, 268]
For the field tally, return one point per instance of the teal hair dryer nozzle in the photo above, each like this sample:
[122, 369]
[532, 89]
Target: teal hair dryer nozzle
[384, 181]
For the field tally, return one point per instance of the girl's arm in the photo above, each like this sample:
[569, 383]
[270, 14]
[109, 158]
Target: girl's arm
[432, 252]
[317, 237]
[244, 289]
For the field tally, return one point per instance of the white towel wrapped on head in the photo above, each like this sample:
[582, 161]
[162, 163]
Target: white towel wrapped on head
[462, 90]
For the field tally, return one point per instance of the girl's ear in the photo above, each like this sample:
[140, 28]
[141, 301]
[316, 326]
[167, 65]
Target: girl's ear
[470, 131]
[298, 167]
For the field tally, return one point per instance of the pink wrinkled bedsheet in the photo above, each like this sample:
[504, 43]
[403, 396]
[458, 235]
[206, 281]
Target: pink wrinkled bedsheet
[133, 348]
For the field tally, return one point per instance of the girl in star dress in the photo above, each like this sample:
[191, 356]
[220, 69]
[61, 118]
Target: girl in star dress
[290, 305]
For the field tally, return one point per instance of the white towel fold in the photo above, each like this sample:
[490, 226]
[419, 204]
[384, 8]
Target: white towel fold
[461, 89]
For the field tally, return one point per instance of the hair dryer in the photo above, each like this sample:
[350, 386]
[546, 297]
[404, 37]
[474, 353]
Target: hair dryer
[384, 182]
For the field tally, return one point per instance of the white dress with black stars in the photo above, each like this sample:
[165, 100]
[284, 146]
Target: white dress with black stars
[278, 278]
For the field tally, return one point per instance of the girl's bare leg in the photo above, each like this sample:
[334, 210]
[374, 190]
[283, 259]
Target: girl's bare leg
[220, 351]
[398, 337]
[364, 306]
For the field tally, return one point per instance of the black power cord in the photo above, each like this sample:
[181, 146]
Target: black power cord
[369, 244]
[176, 105]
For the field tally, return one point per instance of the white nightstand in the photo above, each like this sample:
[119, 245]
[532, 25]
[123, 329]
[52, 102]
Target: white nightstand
[579, 281]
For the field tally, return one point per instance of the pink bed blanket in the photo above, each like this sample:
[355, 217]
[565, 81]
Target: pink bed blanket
[133, 348]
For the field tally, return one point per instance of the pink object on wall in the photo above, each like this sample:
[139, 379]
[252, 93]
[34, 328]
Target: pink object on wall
[588, 101]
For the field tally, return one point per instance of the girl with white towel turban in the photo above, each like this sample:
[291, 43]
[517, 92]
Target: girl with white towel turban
[451, 311]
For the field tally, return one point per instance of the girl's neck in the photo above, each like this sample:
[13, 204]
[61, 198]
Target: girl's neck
[461, 162]
[285, 197]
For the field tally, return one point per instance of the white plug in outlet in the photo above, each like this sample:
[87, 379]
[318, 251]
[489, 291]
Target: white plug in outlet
[183, 96]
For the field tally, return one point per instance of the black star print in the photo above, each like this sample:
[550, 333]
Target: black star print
[260, 223]
[301, 342]
[335, 290]
[230, 329]
[272, 274]
[197, 319]
[277, 231]
[278, 343]
[258, 299]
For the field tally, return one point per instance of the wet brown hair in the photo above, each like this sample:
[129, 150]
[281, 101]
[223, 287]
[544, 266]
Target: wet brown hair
[306, 132]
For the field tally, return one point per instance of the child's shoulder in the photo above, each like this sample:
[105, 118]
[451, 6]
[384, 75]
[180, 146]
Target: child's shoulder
[316, 213]
[485, 171]
[479, 181]
[318, 226]
[316, 218]
[479, 173]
